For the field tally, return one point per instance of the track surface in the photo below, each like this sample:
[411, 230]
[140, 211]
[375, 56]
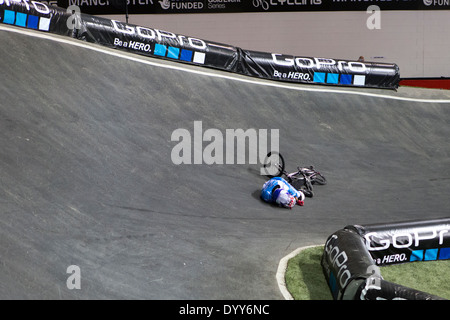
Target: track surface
[87, 177]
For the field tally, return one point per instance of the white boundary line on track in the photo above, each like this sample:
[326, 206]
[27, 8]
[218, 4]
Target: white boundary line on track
[281, 272]
[112, 52]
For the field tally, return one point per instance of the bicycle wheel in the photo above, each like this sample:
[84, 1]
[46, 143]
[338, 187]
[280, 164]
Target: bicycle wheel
[273, 165]
[307, 193]
[319, 179]
[305, 186]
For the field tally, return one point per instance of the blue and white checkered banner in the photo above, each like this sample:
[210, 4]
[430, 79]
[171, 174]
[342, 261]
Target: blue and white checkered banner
[38, 16]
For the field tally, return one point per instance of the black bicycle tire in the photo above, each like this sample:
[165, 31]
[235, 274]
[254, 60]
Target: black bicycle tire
[319, 179]
[308, 185]
[280, 170]
[308, 193]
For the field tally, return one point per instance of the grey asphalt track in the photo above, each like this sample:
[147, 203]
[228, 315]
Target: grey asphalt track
[87, 177]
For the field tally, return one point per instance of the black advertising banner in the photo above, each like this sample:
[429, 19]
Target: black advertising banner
[99, 7]
[157, 43]
[318, 70]
[170, 46]
[407, 242]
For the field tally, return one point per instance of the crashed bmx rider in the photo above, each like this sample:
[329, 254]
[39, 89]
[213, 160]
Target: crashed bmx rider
[278, 190]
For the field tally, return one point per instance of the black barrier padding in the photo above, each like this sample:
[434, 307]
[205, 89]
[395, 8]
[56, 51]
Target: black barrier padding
[157, 43]
[35, 15]
[323, 71]
[385, 290]
[346, 263]
[167, 45]
[383, 244]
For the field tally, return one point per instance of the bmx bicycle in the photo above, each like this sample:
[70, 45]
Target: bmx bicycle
[303, 179]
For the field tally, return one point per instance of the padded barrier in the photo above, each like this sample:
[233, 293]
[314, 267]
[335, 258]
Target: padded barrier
[167, 45]
[352, 257]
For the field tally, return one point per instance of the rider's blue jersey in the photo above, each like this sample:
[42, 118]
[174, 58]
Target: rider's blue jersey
[266, 192]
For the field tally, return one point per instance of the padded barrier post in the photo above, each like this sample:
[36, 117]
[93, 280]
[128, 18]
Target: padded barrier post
[346, 264]
[354, 249]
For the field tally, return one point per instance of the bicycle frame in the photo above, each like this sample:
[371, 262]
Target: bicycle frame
[302, 179]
